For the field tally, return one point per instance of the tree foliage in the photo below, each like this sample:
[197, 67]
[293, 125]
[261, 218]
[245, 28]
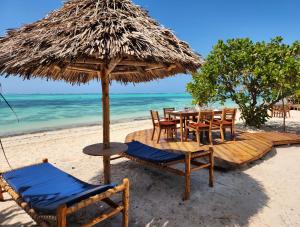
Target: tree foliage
[255, 75]
[297, 96]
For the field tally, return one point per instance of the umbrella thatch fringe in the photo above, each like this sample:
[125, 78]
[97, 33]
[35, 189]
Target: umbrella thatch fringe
[73, 43]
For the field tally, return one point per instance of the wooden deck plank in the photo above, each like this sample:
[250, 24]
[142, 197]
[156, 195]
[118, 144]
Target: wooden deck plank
[278, 138]
[247, 148]
[257, 145]
[257, 140]
[250, 148]
[240, 154]
[242, 147]
[224, 153]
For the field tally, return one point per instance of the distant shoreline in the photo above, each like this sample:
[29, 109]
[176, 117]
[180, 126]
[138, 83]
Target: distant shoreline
[80, 125]
[49, 112]
[98, 93]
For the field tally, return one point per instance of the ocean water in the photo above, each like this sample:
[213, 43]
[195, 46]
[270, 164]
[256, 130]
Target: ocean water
[39, 112]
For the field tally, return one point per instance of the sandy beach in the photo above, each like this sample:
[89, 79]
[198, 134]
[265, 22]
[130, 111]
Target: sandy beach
[76, 73]
[261, 194]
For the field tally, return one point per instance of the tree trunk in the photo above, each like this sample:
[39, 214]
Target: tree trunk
[284, 114]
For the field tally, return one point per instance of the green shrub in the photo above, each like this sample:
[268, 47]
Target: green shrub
[255, 75]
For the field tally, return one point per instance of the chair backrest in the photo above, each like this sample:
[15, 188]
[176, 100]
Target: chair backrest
[218, 114]
[206, 116]
[154, 116]
[228, 114]
[279, 107]
[166, 110]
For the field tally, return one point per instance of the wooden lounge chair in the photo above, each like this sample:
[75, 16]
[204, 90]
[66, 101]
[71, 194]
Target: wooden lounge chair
[164, 160]
[48, 194]
[203, 124]
[168, 125]
[227, 121]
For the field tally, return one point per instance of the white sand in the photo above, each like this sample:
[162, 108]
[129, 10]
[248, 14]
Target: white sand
[264, 193]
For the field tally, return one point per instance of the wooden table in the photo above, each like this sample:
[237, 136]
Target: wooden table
[184, 114]
[97, 150]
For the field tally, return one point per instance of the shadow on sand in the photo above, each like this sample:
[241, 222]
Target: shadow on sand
[156, 198]
[8, 215]
[291, 126]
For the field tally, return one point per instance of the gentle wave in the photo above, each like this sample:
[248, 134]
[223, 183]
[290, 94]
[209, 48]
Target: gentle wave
[40, 112]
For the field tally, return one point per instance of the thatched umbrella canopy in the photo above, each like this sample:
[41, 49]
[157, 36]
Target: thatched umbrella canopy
[96, 39]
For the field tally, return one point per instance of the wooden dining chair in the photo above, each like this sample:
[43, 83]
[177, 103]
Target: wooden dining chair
[168, 125]
[276, 110]
[227, 121]
[166, 110]
[203, 124]
[279, 111]
[288, 108]
[218, 114]
[285, 111]
[167, 116]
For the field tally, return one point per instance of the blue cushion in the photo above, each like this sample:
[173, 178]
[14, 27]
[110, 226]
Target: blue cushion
[45, 187]
[147, 153]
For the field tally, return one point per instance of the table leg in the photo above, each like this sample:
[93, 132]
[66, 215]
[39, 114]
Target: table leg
[106, 168]
[181, 128]
[1, 194]
[187, 176]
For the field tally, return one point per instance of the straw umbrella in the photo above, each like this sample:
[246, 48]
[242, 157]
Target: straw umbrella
[96, 40]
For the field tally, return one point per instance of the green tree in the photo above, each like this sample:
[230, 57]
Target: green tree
[253, 75]
[297, 95]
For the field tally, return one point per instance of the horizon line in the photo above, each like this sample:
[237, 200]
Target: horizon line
[87, 93]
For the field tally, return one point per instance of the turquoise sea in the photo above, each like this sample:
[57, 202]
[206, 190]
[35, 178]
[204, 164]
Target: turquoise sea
[39, 112]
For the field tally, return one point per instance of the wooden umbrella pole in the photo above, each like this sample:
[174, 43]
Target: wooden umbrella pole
[105, 108]
[105, 123]
[104, 74]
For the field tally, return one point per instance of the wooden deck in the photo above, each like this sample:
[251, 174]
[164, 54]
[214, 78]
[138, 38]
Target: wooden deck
[247, 147]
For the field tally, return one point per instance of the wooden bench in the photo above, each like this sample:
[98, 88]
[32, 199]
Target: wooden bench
[166, 161]
[48, 194]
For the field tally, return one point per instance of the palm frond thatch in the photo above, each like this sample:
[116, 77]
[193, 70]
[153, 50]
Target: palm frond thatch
[74, 42]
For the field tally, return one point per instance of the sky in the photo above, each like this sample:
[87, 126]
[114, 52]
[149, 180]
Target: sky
[201, 23]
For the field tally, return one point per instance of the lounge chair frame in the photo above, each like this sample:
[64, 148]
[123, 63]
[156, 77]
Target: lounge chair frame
[63, 211]
[189, 161]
